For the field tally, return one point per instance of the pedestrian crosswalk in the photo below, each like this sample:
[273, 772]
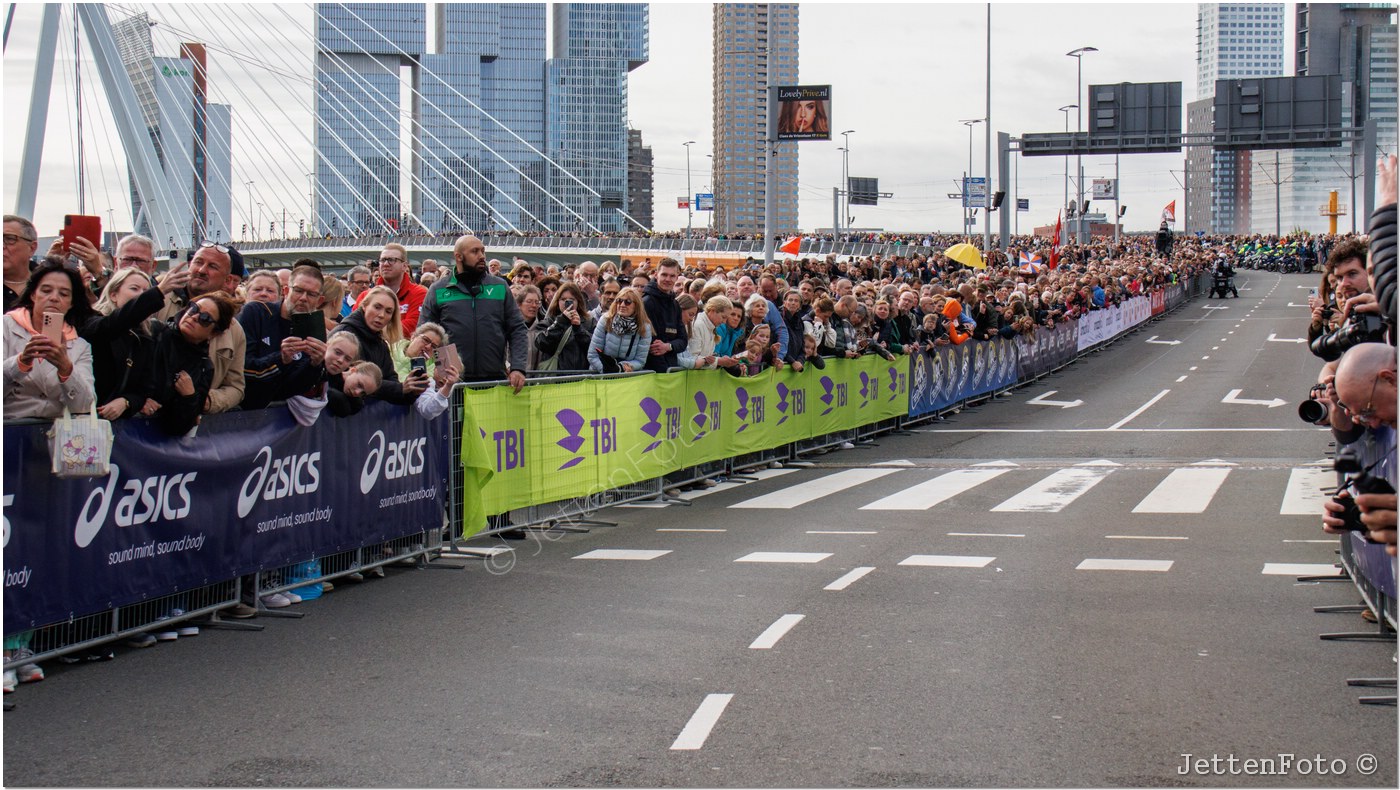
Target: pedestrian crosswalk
[1035, 487]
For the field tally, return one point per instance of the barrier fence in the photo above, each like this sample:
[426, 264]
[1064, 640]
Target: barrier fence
[256, 503]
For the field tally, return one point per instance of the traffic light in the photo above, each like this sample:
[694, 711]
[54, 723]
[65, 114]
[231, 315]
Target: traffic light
[271, 229]
[245, 230]
[997, 197]
[301, 226]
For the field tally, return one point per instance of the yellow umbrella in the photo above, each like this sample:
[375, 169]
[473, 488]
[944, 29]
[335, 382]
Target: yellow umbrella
[967, 255]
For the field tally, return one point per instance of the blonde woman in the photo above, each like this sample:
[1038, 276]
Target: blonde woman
[376, 324]
[622, 336]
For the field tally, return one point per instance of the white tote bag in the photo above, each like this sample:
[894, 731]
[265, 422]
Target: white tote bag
[81, 445]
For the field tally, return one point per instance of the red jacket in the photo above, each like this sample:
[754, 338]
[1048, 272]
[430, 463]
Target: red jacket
[411, 297]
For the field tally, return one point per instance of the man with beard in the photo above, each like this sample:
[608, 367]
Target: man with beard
[478, 312]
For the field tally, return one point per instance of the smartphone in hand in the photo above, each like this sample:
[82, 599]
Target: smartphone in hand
[309, 325]
[53, 327]
[447, 355]
[81, 226]
[418, 365]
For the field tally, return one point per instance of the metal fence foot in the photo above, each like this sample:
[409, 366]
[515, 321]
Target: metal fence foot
[1359, 636]
[1388, 683]
[593, 522]
[232, 625]
[265, 612]
[1338, 578]
[1377, 701]
[1351, 608]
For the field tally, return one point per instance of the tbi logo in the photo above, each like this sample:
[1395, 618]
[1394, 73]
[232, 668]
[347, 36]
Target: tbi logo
[510, 449]
[899, 381]
[791, 402]
[751, 409]
[399, 459]
[655, 415]
[142, 501]
[706, 412]
[604, 435]
[833, 394]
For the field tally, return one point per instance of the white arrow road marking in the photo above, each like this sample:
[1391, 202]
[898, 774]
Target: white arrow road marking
[1040, 400]
[1154, 340]
[1291, 304]
[1233, 397]
[1273, 338]
[1214, 307]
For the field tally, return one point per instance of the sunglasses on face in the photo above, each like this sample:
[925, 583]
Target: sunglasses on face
[624, 301]
[201, 317]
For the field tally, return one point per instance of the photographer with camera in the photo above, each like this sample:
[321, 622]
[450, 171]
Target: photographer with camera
[1366, 374]
[1360, 312]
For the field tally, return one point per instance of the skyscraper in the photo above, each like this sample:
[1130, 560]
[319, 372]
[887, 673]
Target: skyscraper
[1358, 42]
[755, 46]
[191, 136]
[640, 174]
[1233, 40]
[596, 45]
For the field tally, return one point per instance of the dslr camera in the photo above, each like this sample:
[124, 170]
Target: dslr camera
[1359, 481]
[1312, 410]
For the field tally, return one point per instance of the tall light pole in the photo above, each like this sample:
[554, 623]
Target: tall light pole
[1078, 55]
[967, 198]
[249, 184]
[709, 190]
[846, 179]
[987, 151]
[1065, 109]
[311, 223]
[689, 196]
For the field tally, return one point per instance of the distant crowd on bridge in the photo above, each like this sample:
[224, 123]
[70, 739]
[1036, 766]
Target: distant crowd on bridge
[86, 328]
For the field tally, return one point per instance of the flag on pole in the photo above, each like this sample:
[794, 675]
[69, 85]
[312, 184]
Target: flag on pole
[1169, 213]
[792, 245]
[1055, 244]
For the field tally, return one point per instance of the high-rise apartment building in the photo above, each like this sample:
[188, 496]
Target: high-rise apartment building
[596, 45]
[1233, 40]
[1358, 42]
[755, 46]
[640, 183]
[191, 137]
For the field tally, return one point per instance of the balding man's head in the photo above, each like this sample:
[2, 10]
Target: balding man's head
[1366, 383]
[470, 255]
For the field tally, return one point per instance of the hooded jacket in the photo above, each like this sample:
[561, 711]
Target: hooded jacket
[373, 348]
[666, 325]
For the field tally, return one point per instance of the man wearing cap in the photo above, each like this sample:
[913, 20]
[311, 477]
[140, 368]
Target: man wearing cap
[216, 268]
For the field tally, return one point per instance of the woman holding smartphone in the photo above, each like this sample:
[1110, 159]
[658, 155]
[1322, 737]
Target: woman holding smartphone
[567, 330]
[47, 365]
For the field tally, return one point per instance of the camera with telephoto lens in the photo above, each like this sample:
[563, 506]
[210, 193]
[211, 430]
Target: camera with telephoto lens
[1312, 410]
[1361, 328]
[1359, 481]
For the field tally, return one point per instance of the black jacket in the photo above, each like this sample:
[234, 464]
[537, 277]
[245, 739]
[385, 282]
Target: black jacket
[121, 349]
[574, 355]
[374, 349]
[267, 378]
[796, 350]
[666, 325]
[171, 354]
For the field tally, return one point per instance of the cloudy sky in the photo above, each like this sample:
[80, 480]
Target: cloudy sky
[903, 75]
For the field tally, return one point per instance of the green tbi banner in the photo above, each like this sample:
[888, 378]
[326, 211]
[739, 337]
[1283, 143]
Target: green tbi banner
[557, 441]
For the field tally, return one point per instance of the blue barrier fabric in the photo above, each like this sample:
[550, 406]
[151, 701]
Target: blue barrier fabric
[252, 491]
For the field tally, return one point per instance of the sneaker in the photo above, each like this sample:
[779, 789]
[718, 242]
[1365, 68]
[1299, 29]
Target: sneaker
[241, 611]
[167, 636]
[188, 630]
[11, 680]
[776, 465]
[92, 654]
[355, 577]
[140, 640]
[275, 601]
[29, 673]
[672, 492]
[291, 596]
[847, 446]
[708, 483]
[327, 587]
[377, 571]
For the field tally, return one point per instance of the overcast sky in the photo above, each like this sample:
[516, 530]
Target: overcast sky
[902, 77]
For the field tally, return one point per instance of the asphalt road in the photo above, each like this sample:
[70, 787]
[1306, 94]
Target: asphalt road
[1021, 595]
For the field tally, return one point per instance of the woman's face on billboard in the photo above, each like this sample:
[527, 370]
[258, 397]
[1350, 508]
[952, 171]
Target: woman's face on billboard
[806, 115]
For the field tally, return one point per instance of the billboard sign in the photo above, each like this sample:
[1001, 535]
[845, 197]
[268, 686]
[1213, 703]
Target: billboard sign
[974, 193]
[704, 201]
[1023, 204]
[682, 202]
[803, 112]
[863, 191]
[1105, 189]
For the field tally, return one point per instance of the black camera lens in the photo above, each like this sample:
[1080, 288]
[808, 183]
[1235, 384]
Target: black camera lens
[1312, 412]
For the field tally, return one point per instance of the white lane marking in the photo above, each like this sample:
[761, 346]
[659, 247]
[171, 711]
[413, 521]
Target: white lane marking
[1055, 492]
[900, 462]
[946, 561]
[1144, 537]
[986, 534]
[1333, 540]
[1299, 569]
[622, 554]
[1183, 378]
[646, 505]
[1154, 566]
[842, 532]
[687, 529]
[1206, 357]
[931, 492]
[702, 722]
[804, 557]
[1144, 407]
[1193, 367]
[1215, 348]
[1305, 495]
[757, 474]
[1185, 490]
[776, 631]
[847, 580]
[802, 493]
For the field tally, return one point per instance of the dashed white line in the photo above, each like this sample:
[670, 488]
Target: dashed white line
[1154, 566]
[622, 554]
[1183, 378]
[1193, 367]
[848, 579]
[803, 557]
[688, 529]
[1144, 537]
[776, 631]
[946, 561]
[987, 534]
[842, 532]
[697, 730]
[1333, 540]
[1299, 569]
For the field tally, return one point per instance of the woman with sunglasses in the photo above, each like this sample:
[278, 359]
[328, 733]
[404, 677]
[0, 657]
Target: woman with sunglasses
[622, 336]
[42, 377]
[181, 372]
[120, 338]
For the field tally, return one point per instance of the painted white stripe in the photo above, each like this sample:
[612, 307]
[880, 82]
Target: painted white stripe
[697, 730]
[1305, 493]
[776, 631]
[1183, 378]
[1144, 407]
[1057, 491]
[802, 493]
[1185, 490]
[851, 578]
[900, 462]
[1157, 566]
[757, 474]
[931, 492]
[1144, 537]
[803, 557]
[1286, 540]
[986, 535]
[842, 532]
[687, 529]
[622, 554]
[646, 505]
[946, 561]
[1300, 569]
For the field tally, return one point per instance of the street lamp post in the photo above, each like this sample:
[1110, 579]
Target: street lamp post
[249, 184]
[846, 179]
[967, 225]
[1078, 55]
[689, 196]
[1065, 109]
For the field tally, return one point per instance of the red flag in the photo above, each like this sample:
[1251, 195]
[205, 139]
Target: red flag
[792, 245]
[1169, 213]
[1055, 245]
